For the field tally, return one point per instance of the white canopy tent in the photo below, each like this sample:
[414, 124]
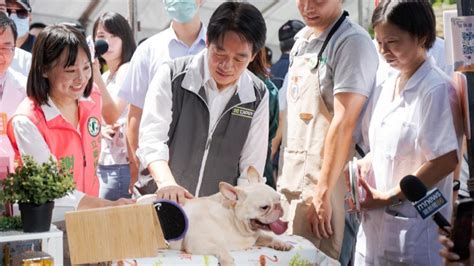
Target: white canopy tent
[152, 17]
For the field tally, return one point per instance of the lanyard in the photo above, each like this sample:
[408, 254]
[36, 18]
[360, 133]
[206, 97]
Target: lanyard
[330, 34]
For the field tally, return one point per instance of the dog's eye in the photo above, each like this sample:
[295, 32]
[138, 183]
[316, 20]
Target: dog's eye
[265, 207]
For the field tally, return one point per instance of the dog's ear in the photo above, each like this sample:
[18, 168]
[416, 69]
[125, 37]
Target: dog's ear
[230, 192]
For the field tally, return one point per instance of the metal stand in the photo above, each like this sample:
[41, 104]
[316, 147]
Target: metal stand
[466, 8]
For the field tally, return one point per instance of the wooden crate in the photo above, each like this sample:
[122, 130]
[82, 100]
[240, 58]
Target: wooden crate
[113, 233]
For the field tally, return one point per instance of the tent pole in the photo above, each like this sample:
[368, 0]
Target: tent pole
[466, 8]
[84, 18]
[132, 17]
[360, 11]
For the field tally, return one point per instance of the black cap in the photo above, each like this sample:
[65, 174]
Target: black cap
[25, 4]
[289, 29]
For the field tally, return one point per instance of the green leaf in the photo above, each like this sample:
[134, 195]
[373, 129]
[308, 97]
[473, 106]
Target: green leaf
[37, 183]
[10, 223]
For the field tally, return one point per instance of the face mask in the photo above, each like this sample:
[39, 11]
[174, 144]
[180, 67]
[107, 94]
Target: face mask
[181, 11]
[22, 24]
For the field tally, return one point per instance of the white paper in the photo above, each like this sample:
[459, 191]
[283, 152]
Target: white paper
[463, 43]
[448, 39]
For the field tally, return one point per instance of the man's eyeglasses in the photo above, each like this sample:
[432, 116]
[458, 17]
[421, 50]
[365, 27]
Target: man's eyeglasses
[7, 50]
[21, 13]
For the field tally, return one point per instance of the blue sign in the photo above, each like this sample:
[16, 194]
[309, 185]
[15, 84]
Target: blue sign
[430, 204]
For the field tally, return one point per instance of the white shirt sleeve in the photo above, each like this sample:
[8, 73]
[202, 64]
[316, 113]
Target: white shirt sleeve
[362, 64]
[437, 51]
[254, 152]
[282, 94]
[29, 139]
[31, 142]
[135, 85]
[156, 119]
[438, 138]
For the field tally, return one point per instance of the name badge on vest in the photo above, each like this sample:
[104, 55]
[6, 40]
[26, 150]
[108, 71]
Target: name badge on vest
[3, 124]
[243, 112]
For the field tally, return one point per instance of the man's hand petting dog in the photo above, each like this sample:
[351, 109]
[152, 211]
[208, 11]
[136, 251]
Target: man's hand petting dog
[174, 193]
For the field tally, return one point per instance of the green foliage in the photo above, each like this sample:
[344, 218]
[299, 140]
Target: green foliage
[440, 2]
[297, 260]
[37, 183]
[10, 223]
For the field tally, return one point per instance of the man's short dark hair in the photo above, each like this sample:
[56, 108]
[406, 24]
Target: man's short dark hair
[241, 18]
[414, 17]
[6, 22]
[48, 47]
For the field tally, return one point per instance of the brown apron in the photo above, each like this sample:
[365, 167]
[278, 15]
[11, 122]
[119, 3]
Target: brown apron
[307, 123]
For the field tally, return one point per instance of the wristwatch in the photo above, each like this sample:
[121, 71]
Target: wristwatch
[456, 185]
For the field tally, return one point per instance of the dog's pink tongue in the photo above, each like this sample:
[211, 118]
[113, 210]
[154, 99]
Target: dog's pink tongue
[279, 227]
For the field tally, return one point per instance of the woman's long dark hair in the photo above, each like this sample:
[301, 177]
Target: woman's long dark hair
[117, 25]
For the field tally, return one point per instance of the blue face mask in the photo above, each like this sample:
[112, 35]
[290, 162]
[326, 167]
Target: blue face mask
[22, 24]
[181, 11]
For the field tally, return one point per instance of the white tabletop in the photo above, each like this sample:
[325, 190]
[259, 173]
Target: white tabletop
[11, 236]
[303, 253]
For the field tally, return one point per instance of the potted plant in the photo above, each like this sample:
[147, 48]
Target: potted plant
[34, 187]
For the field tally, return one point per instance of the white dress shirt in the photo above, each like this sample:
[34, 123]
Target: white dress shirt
[114, 151]
[157, 115]
[12, 92]
[149, 56]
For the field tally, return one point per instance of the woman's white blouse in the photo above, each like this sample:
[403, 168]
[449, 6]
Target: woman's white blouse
[414, 128]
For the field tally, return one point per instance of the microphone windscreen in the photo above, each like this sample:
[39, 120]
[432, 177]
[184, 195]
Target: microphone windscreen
[100, 47]
[413, 188]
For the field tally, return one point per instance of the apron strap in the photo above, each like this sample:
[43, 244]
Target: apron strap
[330, 34]
[325, 110]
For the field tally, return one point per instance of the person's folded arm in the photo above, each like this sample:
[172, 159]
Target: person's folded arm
[112, 107]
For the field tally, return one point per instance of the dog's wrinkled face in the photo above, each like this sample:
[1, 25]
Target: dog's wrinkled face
[257, 205]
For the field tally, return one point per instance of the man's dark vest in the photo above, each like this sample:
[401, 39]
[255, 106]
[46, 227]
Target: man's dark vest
[189, 138]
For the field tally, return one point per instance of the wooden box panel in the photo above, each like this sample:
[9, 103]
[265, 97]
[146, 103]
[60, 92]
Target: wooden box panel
[113, 233]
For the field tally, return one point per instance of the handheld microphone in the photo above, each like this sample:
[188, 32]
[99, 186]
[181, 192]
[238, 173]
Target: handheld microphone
[415, 191]
[100, 47]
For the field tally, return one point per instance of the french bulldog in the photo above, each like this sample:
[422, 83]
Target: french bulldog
[233, 219]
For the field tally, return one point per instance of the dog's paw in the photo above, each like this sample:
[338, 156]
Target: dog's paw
[226, 262]
[280, 245]
[224, 257]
